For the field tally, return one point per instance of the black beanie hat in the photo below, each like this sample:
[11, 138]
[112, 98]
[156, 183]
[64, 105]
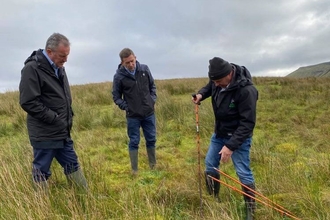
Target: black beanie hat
[218, 68]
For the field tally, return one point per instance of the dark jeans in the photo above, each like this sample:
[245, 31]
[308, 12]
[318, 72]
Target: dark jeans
[148, 125]
[240, 158]
[43, 158]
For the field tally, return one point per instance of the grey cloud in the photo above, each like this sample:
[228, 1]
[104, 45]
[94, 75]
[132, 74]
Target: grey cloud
[175, 38]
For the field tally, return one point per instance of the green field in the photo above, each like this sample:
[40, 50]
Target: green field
[290, 157]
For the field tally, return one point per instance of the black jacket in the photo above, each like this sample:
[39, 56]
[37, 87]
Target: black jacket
[234, 108]
[134, 94]
[46, 99]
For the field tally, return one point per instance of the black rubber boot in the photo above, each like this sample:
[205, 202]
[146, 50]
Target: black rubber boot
[249, 202]
[212, 186]
[133, 155]
[152, 157]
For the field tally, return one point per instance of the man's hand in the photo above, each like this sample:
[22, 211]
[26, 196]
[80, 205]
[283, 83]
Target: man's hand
[196, 99]
[225, 154]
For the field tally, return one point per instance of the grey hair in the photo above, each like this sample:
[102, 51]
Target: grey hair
[55, 40]
[126, 52]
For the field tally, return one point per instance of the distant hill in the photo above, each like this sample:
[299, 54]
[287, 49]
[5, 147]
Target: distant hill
[318, 70]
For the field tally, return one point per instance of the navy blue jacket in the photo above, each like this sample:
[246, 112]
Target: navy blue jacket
[234, 108]
[136, 94]
[46, 99]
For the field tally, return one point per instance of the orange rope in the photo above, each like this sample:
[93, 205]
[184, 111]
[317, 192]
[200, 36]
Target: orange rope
[285, 213]
[259, 194]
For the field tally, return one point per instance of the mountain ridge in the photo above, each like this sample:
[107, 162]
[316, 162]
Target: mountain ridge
[316, 70]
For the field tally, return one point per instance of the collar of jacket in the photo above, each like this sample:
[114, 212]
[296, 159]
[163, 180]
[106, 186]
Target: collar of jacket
[123, 70]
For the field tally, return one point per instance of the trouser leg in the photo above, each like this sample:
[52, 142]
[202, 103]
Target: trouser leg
[148, 125]
[241, 161]
[68, 159]
[212, 160]
[42, 159]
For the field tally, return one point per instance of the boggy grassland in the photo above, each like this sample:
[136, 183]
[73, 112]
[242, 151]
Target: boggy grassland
[290, 157]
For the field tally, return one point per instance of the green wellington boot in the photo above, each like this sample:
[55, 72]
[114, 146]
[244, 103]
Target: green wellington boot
[77, 178]
[133, 155]
[152, 157]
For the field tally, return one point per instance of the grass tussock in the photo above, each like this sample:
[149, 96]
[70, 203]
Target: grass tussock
[290, 157]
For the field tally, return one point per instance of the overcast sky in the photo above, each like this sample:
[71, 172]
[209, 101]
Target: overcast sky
[175, 38]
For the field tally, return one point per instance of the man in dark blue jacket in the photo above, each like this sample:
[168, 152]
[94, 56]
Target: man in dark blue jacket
[134, 91]
[234, 100]
[45, 96]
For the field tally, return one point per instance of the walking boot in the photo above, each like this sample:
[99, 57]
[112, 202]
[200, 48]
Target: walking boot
[250, 203]
[212, 186]
[152, 157]
[77, 178]
[133, 155]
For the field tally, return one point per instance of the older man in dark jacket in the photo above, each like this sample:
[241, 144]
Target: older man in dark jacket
[234, 100]
[45, 96]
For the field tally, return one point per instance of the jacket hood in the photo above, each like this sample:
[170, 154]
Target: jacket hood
[242, 77]
[32, 57]
[38, 57]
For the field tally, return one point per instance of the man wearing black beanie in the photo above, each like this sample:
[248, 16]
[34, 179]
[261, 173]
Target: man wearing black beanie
[234, 100]
[218, 68]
